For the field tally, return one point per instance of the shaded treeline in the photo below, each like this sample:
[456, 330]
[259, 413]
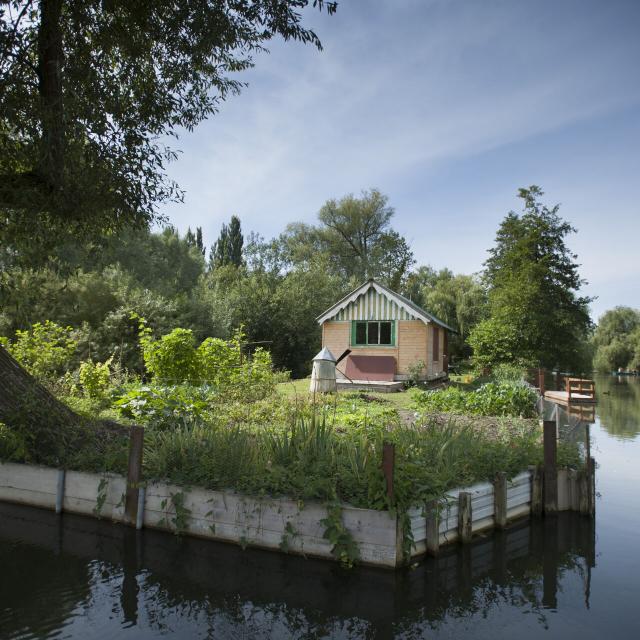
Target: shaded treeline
[274, 288]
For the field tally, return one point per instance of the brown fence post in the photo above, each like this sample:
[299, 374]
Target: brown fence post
[550, 466]
[388, 464]
[464, 517]
[541, 381]
[432, 527]
[500, 499]
[134, 474]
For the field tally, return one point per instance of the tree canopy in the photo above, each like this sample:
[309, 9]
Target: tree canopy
[617, 340]
[228, 247]
[536, 316]
[90, 90]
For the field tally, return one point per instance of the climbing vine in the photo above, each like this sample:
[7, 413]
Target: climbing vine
[181, 513]
[101, 497]
[344, 547]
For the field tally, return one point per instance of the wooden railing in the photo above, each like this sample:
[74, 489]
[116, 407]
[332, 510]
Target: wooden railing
[585, 389]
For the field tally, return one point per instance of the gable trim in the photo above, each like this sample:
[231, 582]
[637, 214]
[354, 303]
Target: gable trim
[412, 310]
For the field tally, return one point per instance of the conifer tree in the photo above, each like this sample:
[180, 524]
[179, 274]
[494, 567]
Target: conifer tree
[228, 248]
[536, 317]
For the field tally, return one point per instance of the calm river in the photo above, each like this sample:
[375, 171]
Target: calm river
[564, 577]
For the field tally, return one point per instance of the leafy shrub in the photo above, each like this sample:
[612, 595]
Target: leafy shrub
[164, 407]
[13, 445]
[95, 378]
[45, 350]
[173, 358]
[508, 373]
[317, 456]
[219, 364]
[491, 399]
[416, 372]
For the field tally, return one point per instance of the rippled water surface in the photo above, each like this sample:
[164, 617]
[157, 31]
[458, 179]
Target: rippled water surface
[564, 577]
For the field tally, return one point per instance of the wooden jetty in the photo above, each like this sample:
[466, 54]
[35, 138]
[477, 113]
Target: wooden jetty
[578, 391]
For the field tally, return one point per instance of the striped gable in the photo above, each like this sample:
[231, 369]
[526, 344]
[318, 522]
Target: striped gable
[373, 305]
[374, 301]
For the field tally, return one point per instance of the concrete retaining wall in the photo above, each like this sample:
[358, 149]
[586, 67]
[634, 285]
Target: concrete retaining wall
[270, 523]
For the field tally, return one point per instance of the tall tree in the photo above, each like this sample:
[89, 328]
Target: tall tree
[459, 300]
[617, 340]
[227, 250]
[89, 89]
[199, 242]
[356, 237]
[358, 233]
[235, 242]
[190, 238]
[536, 315]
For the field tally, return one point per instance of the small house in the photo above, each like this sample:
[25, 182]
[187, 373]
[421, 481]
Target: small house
[388, 336]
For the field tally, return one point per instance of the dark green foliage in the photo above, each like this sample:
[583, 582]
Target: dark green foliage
[228, 248]
[536, 317]
[457, 300]
[356, 234]
[617, 340]
[491, 399]
[90, 90]
[199, 242]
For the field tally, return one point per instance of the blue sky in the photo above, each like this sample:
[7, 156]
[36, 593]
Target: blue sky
[447, 107]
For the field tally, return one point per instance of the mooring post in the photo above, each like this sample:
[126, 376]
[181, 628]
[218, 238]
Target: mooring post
[433, 527]
[134, 474]
[464, 517]
[550, 466]
[60, 490]
[500, 499]
[388, 464]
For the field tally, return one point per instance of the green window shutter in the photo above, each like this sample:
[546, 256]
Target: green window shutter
[393, 333]
[353, 332]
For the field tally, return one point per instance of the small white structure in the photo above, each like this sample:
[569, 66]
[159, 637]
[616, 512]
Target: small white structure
[323, 374]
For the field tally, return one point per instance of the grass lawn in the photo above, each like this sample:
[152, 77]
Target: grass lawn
[400, 400]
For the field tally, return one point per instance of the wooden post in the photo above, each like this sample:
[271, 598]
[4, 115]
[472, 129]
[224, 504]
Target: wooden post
[541, 381]
[550, 467]
[388, 464]
[536, 490]
[433, 527]
[500, 499]
[134, 474]
[464, 517]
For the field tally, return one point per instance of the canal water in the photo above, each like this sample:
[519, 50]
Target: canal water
[563, 577]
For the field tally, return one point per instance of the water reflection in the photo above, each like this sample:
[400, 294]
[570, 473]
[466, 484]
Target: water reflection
[56, 570]
[619, 405]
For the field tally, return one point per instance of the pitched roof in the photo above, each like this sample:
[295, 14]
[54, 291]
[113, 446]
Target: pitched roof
[404, 303]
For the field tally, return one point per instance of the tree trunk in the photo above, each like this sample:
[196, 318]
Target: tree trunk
[21, 395]
[50, 58]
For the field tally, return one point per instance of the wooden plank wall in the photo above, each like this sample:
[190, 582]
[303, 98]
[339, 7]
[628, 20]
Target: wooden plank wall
[276, 523]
